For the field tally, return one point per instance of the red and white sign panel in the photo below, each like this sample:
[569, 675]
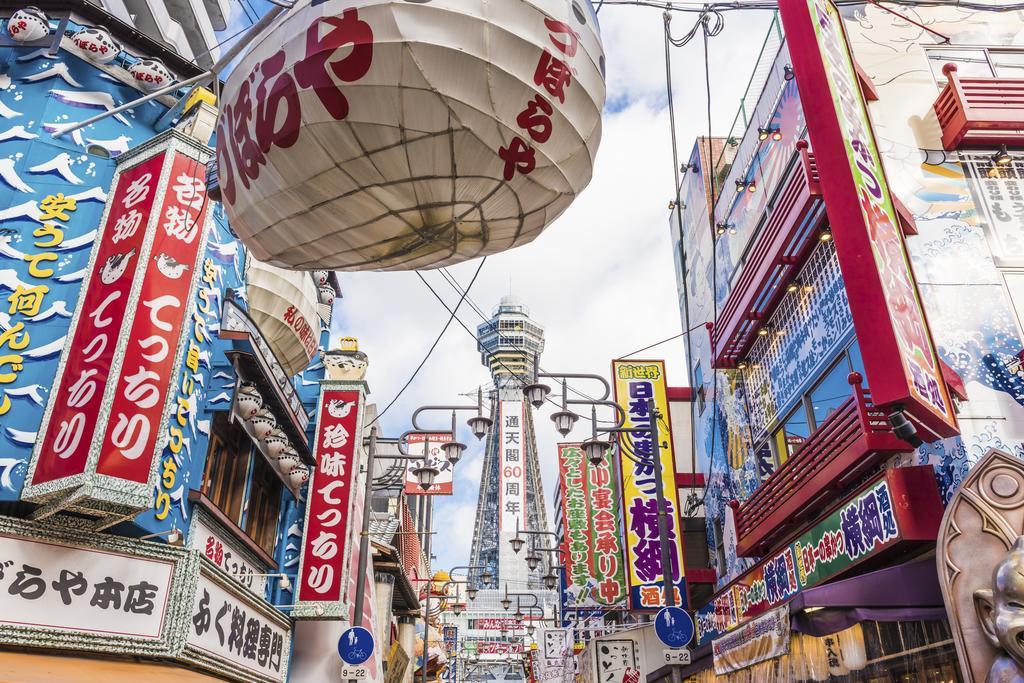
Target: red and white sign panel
[429, 444]
[63, 449]
[512, 476]
[129, 444]
[326, 537]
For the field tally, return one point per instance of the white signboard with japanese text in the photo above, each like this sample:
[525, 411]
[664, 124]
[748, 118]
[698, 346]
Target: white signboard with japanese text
[614, 659]
[229, 627]
[54, 586]
[224, 553]
[556, 643]
[512, 476]
[444, 482]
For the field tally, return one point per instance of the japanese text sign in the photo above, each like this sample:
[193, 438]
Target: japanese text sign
[231, 627]
[512, 475]
[62, 449]
[430, 446]
[764, 638]
[615, 658]
[636, 384]
[54, 586]
[899, 353]
[866, 524]
[590, 517]
[326, 538]
[220, 549]
[150, 360]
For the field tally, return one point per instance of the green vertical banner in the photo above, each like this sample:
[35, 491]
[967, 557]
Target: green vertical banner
[595, 570]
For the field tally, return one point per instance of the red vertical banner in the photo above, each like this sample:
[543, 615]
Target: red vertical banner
[899, 354]
[147, 371]
[62, 448]
[329, 498]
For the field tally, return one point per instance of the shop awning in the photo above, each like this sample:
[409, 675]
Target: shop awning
[27, 667]
[905, 592]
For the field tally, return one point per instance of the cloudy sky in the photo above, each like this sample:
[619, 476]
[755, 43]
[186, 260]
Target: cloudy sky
[600, 279]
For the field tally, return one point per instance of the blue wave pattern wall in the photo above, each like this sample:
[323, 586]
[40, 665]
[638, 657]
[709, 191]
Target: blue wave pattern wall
[38, 93]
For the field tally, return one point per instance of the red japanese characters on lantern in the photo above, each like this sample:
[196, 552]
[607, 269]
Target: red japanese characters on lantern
[326, 536]
[149, 361]
[388, 135]
[63, 445]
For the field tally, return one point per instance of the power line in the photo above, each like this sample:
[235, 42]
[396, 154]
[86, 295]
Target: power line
[433, 346]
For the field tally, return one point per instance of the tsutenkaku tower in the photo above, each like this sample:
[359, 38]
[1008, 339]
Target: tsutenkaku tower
[511, 493]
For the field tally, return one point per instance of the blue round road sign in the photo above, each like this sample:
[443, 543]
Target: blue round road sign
[674, 627]
[355, 645]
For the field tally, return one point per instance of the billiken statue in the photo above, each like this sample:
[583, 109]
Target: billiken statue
[1001, 614]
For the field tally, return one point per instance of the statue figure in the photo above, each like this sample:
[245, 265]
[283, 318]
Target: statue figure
[1000, 611]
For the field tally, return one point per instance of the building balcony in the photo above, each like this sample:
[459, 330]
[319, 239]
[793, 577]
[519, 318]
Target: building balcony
[777, 254]
[980, 111]
[851, 442]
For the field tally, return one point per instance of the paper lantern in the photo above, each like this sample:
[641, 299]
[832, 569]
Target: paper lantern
[97, 44]
[275, 443]
[395, 135]
[288, 460]
[249, 401]
[298, 476]
[283, 303]
[28, 25]
[262, 423]
[150, 74]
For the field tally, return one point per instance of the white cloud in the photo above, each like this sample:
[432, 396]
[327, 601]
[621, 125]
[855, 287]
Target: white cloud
[600, 279]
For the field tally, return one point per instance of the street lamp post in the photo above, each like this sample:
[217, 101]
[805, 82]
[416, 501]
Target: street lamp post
[595, 448]
[425, 474]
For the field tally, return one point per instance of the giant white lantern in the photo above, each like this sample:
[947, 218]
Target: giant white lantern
[401, 134]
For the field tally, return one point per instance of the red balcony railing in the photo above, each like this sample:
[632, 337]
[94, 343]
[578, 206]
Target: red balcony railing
[779, 251]
[847, 445]
[982, 111]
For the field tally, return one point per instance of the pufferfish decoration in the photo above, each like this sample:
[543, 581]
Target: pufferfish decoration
[28, 25]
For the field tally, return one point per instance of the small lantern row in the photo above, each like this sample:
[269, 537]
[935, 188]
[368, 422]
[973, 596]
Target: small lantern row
[30, 24]
[263, 426]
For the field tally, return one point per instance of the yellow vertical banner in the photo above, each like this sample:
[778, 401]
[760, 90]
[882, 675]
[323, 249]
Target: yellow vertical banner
[636, 382]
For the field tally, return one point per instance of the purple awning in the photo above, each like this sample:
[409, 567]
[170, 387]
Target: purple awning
[906, 592]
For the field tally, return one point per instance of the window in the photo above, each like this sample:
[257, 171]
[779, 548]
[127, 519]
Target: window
[977, 62]
[241, 483]
[826, 396]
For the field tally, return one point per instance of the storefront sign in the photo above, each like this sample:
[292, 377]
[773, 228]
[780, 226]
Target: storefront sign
[496, 624]
[556, 643]
[899, 353]
[867, 524]
[615, 658]
[326, 538]
[762, 639]
[418, 444]
[450, 635]
[62, 449]
[150, 358]
[498, 647]
[225, 554]
[50, 585]
[396, 664]
[636, 382]
[238, 631]
[590, 517]
[512, 475]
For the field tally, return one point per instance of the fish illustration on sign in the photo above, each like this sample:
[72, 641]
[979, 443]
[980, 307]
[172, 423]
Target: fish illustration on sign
[170, 267]
[340, 409]
[115, 267]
